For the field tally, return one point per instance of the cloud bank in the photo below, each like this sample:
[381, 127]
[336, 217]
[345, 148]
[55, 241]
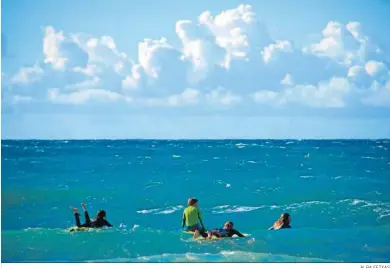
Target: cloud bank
[224, 61]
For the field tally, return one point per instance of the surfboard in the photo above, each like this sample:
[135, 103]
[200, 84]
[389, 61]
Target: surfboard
[77, 229]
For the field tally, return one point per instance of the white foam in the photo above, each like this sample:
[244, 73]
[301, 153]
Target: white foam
[224, 206]
[368, 157]
[252, 162]
[228, 185]
[147, 211]
[234, 209]
[167, 210]
[170, 210]
[176, 156]
[306, 177]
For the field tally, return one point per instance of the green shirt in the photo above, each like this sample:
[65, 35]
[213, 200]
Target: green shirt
[191, 215]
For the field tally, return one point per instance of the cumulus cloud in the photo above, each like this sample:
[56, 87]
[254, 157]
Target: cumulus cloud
[188, 97]
[27, 75]
[222, 61]
[326, 94]
[62, 52]
[82, 97]
[221, 96]
[378, 95]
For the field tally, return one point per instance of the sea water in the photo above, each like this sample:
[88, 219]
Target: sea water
[337, 192]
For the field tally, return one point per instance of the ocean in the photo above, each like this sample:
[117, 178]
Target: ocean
[337, 192]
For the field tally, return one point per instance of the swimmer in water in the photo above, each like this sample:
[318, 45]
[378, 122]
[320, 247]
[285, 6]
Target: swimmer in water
[282, 223]
[191, 216]
[98, 222]
[226, 231]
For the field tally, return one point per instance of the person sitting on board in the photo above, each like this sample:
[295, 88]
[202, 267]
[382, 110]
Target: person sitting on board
[282, 223]
[191, 215]
[226, 231]
[98, 222]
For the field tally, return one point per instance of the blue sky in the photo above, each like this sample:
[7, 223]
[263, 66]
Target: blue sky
[195, 69]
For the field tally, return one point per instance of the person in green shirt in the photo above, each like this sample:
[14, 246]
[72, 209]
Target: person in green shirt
[191, 215]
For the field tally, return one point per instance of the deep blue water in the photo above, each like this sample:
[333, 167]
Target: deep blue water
[337, 193]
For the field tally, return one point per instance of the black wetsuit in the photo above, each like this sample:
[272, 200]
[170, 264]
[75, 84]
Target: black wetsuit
[221, 232]
[98, 223]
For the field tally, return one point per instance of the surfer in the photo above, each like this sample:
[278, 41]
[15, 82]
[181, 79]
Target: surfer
[226, 231]
[98, 222]
[282, 223]
[191, 215]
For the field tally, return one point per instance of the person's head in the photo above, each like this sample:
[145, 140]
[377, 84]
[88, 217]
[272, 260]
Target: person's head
[285, 218]
[192, 202]
[228, 225]
[101, 214]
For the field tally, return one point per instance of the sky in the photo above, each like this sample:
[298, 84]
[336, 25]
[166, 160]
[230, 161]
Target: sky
[195, 69]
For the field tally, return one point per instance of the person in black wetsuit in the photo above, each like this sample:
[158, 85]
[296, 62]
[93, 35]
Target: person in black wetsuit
[282, 223]
[98, 222]
[226, 231]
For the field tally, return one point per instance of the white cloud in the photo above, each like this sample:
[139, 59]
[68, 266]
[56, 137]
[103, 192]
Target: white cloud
[61, 52]
[288, 80]
[237, 30]
[375, 68]
[344, 43]
[272, 51]
[329, 94]
[84, 96]
[378, 95]
[51, 43]
[231, 51]
[188, 97]
[223, 97]
[265, 96]
[87, 84]
[21, 99]
[28, 75]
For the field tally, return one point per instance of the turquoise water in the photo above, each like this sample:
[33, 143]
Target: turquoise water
[337, 193]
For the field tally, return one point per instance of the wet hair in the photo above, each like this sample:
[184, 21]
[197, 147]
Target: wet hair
[229, 223]
[283, 219]
[101, 214]
[192, 201]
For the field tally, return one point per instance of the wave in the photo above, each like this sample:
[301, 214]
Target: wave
[167, 210]
[306, 177]
[241, 145]
[233, 209]
[176, 156]
[222, 256]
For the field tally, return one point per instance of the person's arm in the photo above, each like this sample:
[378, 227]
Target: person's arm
[183, 220]
[201, 220]
[106, 223]
[237, 233]
[216, 233]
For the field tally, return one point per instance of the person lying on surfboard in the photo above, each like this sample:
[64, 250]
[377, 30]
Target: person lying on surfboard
[282, 223]
[226, 231]
[191, 215]
[98, 222]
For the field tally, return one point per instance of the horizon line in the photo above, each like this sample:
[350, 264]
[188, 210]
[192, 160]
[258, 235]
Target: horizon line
[186, 139]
